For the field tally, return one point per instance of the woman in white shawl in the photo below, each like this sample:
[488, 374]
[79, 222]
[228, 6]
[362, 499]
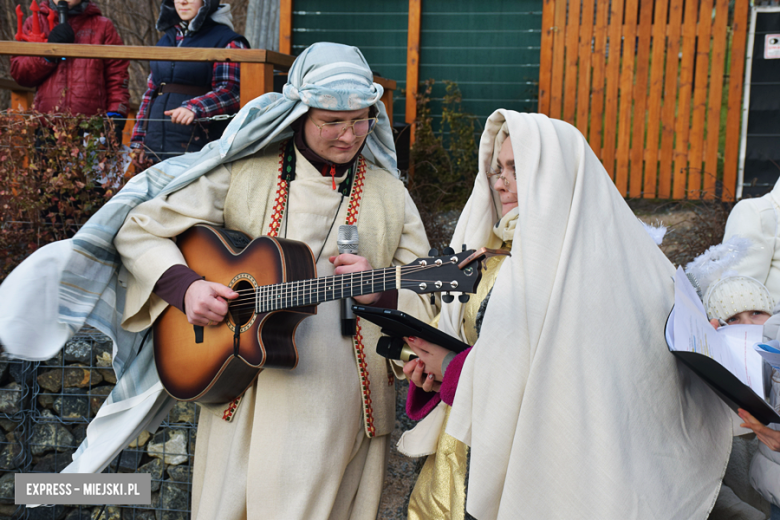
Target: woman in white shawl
[569, 401]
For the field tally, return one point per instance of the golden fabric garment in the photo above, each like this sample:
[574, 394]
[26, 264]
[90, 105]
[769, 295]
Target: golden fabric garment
[440, 490]
[470, 309]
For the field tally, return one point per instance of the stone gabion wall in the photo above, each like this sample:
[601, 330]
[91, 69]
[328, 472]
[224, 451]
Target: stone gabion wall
[45, 409]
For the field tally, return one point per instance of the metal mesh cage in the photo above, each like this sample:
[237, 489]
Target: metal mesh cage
[45, 408]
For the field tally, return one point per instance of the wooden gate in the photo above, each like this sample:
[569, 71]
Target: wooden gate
[654, 85]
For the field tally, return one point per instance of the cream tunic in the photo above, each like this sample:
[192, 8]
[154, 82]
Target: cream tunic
[296, 448]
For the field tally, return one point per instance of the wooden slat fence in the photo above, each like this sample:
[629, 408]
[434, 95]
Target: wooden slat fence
[654, 85]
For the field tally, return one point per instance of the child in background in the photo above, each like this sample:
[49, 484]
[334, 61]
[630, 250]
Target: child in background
[741, 300]
[180, 92]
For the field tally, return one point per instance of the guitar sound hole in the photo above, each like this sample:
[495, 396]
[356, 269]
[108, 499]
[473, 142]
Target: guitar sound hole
[242, 308]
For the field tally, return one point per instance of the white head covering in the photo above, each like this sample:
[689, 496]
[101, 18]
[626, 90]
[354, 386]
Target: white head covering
[325, 75]
[570, 400]
[734, 294]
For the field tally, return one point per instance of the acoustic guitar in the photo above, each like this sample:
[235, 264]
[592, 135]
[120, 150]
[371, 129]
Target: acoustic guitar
[277, 283]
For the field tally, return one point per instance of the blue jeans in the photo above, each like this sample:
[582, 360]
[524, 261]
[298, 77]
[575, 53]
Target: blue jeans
[775, 515]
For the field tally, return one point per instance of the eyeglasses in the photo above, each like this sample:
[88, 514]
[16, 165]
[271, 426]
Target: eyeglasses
[334, 131]
[499, 173]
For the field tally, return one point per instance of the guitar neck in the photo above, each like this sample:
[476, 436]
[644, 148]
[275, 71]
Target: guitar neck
[318, 290]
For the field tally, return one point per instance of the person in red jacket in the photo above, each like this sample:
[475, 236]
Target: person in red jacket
[85, 86]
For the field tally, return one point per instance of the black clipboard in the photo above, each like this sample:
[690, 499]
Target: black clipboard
[726, 385]
[395, 323]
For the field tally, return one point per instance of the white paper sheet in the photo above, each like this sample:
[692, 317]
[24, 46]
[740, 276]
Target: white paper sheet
[732, 346]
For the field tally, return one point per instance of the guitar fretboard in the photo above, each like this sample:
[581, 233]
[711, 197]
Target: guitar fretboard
[311, 292]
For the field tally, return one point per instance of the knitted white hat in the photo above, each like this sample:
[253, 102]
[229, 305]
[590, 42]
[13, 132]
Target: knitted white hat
[734, 294]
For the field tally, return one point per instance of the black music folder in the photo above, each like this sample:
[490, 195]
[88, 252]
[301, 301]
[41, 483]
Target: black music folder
[395, 323]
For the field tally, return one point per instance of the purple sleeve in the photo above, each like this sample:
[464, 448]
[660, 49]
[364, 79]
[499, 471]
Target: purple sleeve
[419, 403]
[451, 377]
[173, 285]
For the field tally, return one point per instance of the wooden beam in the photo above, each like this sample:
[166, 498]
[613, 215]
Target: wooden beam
[387, 98]
[626, 106]
[387, 84]
[9, 84]
[413, 63]
[285, 26]
[597, 84]
[612, 86]
[256, 80]
[719, 40]
[570, 78]
[130, 52]
[635, 185]
[733, 116]
[546, 56]
[583, 84]
[685, 89]
[559, 48]
[699, 109]
[654, 103]
[668, 109]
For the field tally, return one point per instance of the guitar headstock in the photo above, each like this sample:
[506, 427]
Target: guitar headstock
[450, 272]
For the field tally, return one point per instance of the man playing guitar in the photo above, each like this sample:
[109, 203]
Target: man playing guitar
[309, 443]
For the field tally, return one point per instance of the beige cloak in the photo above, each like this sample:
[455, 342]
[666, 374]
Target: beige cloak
[571, 402]
[299, 445]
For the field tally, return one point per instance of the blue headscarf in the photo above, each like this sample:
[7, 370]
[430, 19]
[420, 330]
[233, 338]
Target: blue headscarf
[329, 76]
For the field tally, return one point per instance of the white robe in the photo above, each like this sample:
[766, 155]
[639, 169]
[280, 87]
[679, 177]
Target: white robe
[570, 400]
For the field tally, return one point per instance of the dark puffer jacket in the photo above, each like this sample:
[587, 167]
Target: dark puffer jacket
[86, 86]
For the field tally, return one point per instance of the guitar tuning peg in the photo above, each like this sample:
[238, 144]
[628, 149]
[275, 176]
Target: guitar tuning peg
[433, 299]
[433, 252]
[463, 298]
[448, 251]
[447, 298]
[464, 248]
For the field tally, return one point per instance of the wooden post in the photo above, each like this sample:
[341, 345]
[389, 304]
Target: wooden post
[413, 64]
[387, 99]
[545, 56]
[21, 100]
[668, 110]
[129, 124]
[285, 26]
[650, 190]
[719, 40]
[256, 80]
[733, 116]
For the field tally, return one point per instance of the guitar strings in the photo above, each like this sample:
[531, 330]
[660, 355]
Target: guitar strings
[339, 281]
[284, 295]
[285, 301]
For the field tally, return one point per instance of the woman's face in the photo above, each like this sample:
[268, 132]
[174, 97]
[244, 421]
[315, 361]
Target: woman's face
[346, 145]
[504, 178]
[187, 9]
